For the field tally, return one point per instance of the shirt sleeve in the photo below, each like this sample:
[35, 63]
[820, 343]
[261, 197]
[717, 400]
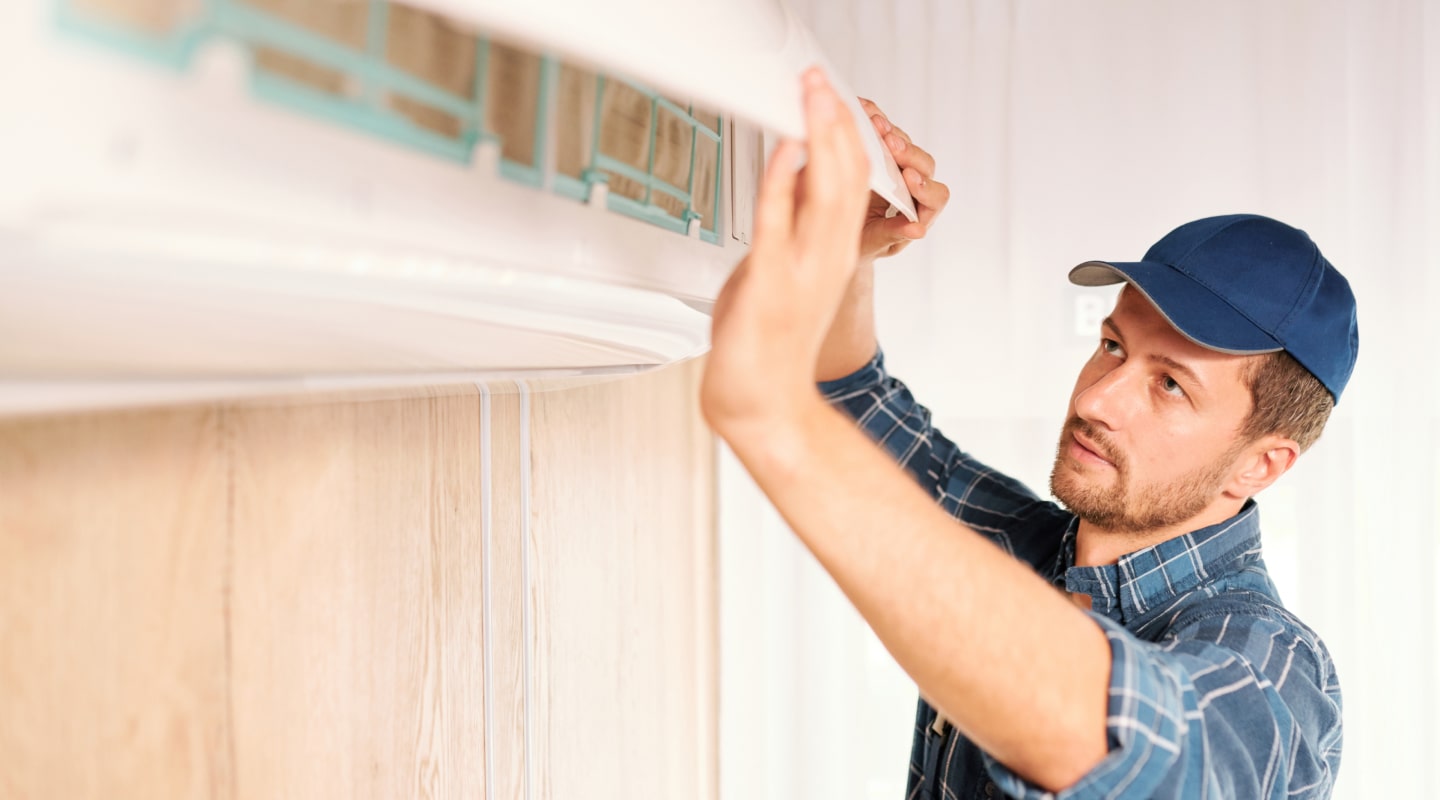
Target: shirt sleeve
[992, 503]
[1232, 706]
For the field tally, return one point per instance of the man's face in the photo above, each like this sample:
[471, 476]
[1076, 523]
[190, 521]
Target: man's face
[1152, 431]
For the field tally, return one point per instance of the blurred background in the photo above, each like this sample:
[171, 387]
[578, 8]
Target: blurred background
[1069, 131]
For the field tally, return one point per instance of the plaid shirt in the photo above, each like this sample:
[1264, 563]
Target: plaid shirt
[1216, 691]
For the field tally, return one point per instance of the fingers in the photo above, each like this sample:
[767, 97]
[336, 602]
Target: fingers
[926, 191]
[909, 156]
[836, 190]
[882, 121]
[899, 230]
[901, 146]
[775, 210]
[882, 125]
[887, 236]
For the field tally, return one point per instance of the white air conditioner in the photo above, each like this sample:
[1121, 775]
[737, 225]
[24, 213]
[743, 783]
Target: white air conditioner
[211, 198]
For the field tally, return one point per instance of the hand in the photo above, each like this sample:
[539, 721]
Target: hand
[883, 237]
[773, 314]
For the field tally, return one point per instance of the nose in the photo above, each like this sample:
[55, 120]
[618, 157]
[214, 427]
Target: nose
[1112, 398]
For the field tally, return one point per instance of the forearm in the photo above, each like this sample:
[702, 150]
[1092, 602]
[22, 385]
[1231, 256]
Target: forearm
[850, 341]
[1004, 656]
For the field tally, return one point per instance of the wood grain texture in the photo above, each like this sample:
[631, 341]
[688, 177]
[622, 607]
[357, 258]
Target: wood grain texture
[704, 523]
[289, 598]
[112, 584]
[507, 659]
[615, 649]
[356, 616]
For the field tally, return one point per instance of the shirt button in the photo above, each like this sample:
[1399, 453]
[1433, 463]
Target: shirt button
[990, 788]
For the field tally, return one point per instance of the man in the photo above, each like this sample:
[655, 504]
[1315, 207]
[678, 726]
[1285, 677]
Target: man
[1130, 646]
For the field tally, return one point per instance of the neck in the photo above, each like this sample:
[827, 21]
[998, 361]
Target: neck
[1096, 546]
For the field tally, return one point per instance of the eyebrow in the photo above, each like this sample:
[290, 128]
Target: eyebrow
[1175, 366]
[1111, 322]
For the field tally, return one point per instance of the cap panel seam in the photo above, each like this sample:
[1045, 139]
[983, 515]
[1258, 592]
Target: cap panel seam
[1227, 226]
[1284, 321]
[1125, 278]
[1222, 299]
[1308, 290]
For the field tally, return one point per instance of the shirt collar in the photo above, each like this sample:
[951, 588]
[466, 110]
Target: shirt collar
[1149, 579]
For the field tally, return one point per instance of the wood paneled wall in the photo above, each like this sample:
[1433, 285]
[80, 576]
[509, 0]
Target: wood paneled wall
[504, 591]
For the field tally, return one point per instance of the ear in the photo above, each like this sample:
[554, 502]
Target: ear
[1261, 464]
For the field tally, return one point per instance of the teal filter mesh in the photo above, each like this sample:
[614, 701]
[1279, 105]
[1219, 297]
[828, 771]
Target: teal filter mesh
[418, 79]
[658, 160]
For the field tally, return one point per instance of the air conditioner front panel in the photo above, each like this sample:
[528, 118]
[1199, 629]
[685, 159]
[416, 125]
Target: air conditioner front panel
[65, 315]
[210, 199]
[743, 57]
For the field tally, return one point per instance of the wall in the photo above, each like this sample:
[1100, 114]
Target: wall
[503, 592]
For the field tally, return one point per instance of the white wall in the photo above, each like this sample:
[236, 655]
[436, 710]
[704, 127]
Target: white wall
[1077, 130]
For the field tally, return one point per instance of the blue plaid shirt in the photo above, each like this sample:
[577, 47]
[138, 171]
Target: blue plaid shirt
[1216, 691]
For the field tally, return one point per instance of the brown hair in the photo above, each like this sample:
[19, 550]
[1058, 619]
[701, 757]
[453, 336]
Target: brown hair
[1285, 399]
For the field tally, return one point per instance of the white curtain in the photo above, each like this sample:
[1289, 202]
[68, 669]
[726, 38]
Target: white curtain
[1071, 130]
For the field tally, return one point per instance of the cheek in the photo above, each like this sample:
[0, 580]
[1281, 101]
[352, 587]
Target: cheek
[1173, 444]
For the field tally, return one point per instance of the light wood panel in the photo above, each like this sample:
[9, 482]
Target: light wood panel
[296, 597]
[507, 645]
[356, 614]
[618, 557]
[112, 598]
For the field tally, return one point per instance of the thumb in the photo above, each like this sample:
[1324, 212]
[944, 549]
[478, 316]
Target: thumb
[883, 232]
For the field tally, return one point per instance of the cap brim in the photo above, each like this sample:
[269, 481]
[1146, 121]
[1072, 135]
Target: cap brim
[1188, 305]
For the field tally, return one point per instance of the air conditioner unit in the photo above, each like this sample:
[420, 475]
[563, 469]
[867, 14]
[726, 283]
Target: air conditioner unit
[212, 198]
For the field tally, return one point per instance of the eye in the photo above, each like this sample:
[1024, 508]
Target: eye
[1170, 387]
[1112, 347]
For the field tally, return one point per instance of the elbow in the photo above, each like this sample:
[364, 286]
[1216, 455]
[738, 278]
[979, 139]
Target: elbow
[1066, 769]
[1059, 756]
[1055, 771]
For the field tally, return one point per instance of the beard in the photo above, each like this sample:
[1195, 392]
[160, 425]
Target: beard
[1122, 506]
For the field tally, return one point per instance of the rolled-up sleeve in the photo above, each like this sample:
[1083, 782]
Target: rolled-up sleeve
[996, 505]
[884, 408]
[1228, 706]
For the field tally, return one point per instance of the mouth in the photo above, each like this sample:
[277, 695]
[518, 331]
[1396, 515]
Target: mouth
[1085, 451]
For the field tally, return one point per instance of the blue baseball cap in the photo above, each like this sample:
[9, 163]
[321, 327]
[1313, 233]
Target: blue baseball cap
[1244, 283]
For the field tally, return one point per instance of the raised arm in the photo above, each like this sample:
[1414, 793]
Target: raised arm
[977, 630]
[852, 375]
[851, 342]
[1056, 697]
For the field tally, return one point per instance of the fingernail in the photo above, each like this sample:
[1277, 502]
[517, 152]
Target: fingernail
[888, 126]
[896, 143]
